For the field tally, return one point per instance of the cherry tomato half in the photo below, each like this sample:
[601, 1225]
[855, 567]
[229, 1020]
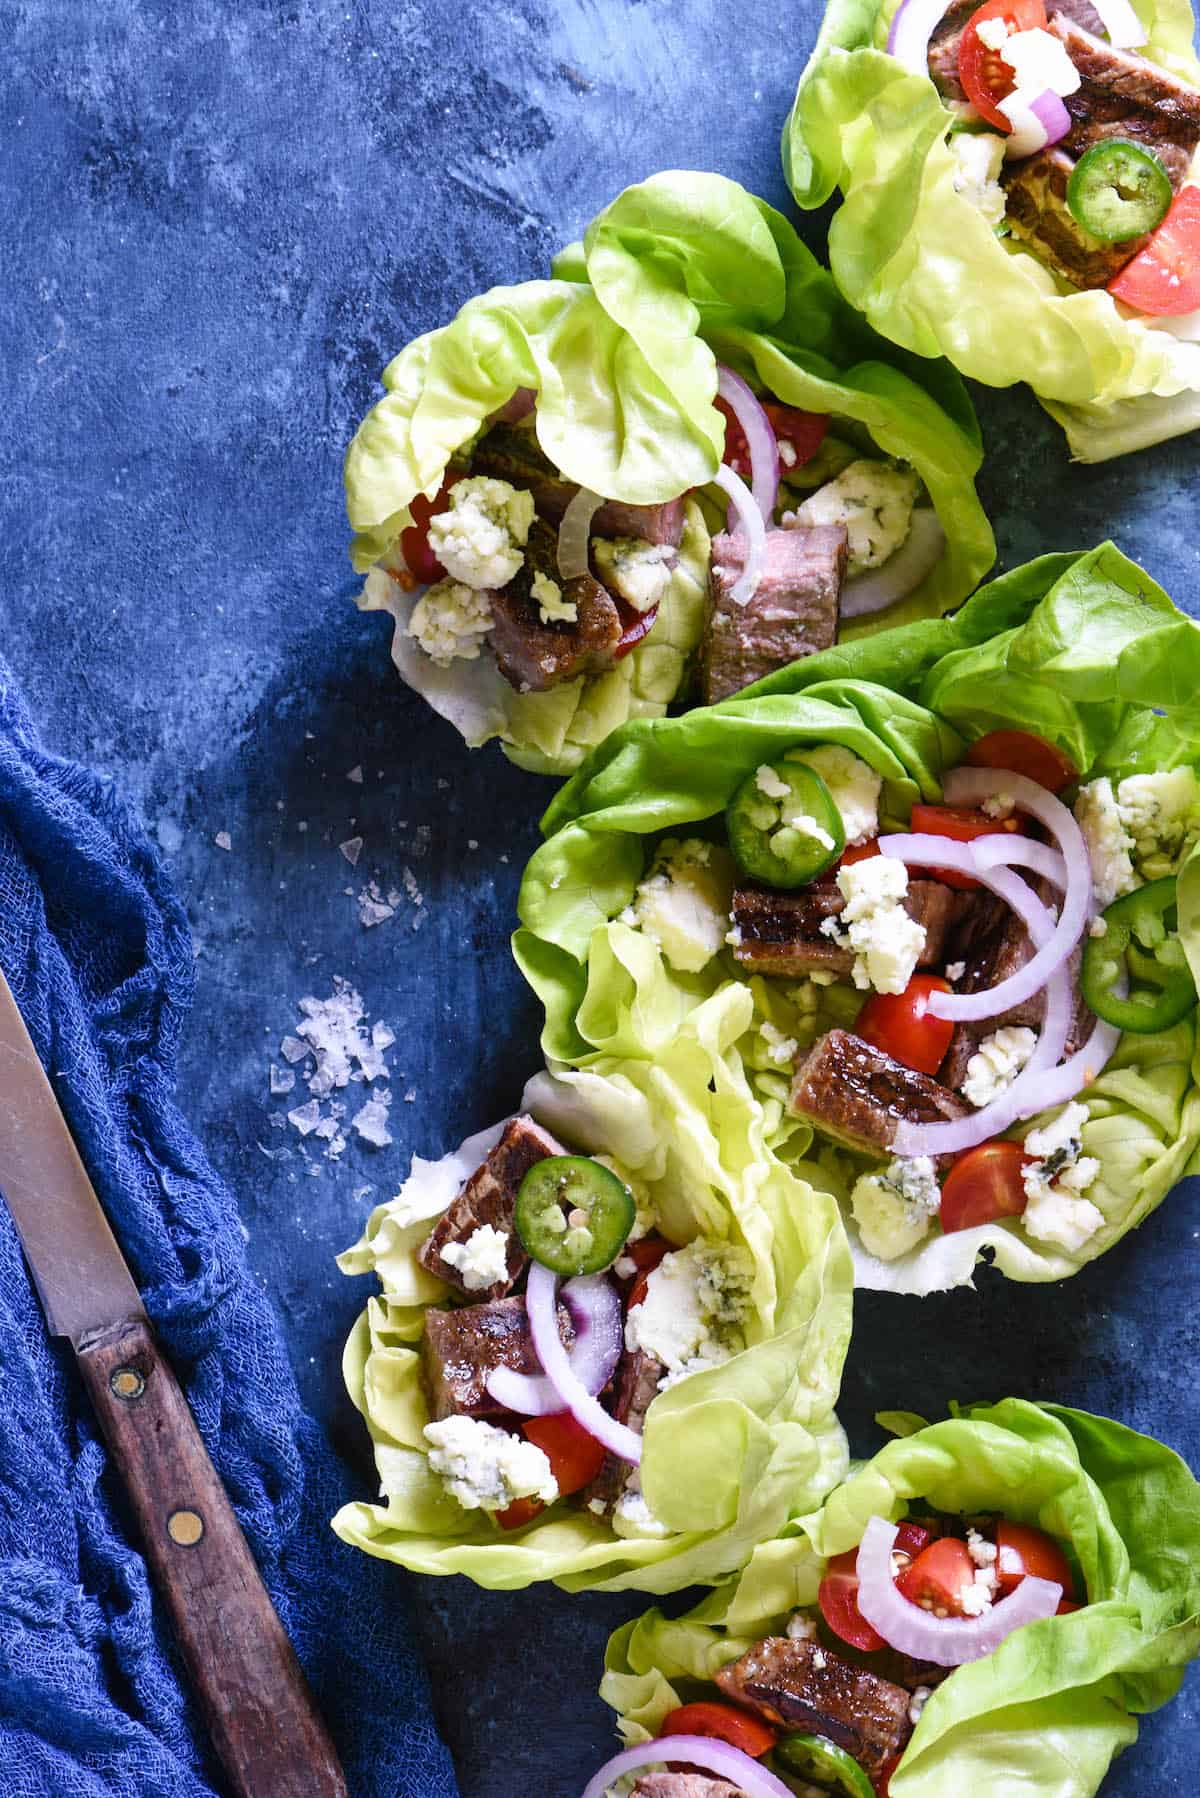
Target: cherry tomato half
[1039, 1554]
[519, 1513]
[883, 1779]
[646, 1256]
[939, 1576]
[634, 626]
[1020, 752]
[859, 852]
[414, 540]
[723, 1723]
[901, 1025]
[804, 432]
[962, 825]
[1164, 278]
[985, 75]
[984, 1184]
[838, 1599]
[575, 1457]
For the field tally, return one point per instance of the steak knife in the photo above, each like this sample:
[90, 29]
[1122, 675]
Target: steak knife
[256, 1703]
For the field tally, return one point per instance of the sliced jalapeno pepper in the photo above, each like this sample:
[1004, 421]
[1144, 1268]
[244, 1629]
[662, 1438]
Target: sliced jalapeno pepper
[784, 828]
[1119, 190]
[1140, 945]
[817, 1758]
[573, 1215]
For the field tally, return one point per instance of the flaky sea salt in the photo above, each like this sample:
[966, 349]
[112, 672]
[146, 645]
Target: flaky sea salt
[305, 1118]
[282, 1081]
[352, 849]
[223, 840]
[371, 1122]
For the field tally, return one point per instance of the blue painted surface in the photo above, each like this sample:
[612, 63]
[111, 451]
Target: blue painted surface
[219, 223]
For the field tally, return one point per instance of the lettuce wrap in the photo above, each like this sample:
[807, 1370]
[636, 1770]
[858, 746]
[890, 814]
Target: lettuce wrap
[1049, 1708]
[621, 350]
[913, 250]
[730, 1451]
[1083, 650]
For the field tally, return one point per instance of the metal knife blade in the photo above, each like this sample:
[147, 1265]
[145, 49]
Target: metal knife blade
[79, 1271]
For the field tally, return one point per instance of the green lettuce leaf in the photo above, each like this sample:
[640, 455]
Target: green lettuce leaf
[1084, 649]
[1049, 1709]
[926, 268]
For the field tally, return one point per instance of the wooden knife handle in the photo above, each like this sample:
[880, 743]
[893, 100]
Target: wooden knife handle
[256, 1701]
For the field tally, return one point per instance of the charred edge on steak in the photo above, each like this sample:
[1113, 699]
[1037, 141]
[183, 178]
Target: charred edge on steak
[780, 932]
[514, 456]
[801, 1685]
[859, 1096]
[634, 1390]
[533, 656]
[460, 1347]
[1037, 210]
[1124, 95]
[490, 1197]
[792, 613]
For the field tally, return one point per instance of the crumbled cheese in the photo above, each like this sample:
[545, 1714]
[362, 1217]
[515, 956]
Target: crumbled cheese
[917, 1703]
[1054, 1182]
[1098, 927]
[853, 786]
[999, 805]
[981, 1551]
[1161, 814]
[978, 159]
[996, 1064]
[801, 1628]
[1009, 1561]
[993, 33]
[482, 1259]
[770, 783]
[875, 503]
[955, 970]
[787, 452]
[781, 1049]
[894, 1209]
[977, 1598]
[480, 539]
[485, 1468]
[632, 1516]
[695, 1306]
[639, 572]
[1109, 844]
[1040, 62]
[552, 607]
[683, 903]
[781, 816]
[886, 942]
[450, 621]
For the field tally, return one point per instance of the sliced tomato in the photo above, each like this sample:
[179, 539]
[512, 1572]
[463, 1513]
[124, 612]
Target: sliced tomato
[646, 1256]
[911, 1538]
[723, 1723]
[938, 1577]
[1039, 1554]
[737, 450]
[575, 1457]
[903, 1027]
[1164, 278]
[1066, 1606]
[838, 1599]
[962, 825]
[984, 74]
[1020, 752]
[859, 852]
[414, 540]
[883, 1779]
[804, 432]
[983, 1185]
[634, 626]
[519, 1513]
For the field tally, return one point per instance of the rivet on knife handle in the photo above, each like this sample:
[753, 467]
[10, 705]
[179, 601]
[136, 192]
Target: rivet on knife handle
[256, 1701]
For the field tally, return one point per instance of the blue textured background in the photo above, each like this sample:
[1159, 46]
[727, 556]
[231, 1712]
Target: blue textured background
[219, 222]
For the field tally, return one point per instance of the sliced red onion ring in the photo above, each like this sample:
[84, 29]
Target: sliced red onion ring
[1005, 850]
[750, 524]
[946, 1641]
[1125, 30]
[760, 437]
[695, 1751]
[916, 557]
[1064, 1083]
[518, 407]
[541, 1302]
[574, 533]
[912, 27]
[1037, 120]
[595, 1309]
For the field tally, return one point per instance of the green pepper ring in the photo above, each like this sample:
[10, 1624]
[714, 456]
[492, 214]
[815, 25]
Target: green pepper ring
[1098, 190]
[1107, 959]
[816, 1757]
[564, 1183]
[750, 842]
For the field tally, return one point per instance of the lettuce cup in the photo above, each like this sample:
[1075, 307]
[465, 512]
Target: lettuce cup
[609, 1337]
[950, 872]
[1034, 219]
[680, 463]
[989, 1603]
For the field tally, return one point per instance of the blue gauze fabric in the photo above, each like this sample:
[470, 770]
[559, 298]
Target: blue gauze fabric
[92, 1704]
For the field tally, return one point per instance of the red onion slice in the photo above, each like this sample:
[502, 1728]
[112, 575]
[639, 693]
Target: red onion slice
[916, 557]
[727, 1762]
[750, 524]
[514, 410]
[1064, 1083]
[595, 1309]
[574, 533]
[946, 1641]
[1125, 30]
[1037, 120]
[912, 27]
[760, 437]
[1005, 850]
[541, 1302]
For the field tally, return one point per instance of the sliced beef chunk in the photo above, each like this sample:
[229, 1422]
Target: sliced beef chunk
[858, 1095]
[1123, 95]
[460, 1347]
[793, 613]
[633, 1393]
[533, 656]
[490, 1197]
[684, 1785]
[781, 932]
[1037, 210]
[947, 36]
[804, 1686]
[515, 456]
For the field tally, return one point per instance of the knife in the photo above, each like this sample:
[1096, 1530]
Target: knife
[259, 1711]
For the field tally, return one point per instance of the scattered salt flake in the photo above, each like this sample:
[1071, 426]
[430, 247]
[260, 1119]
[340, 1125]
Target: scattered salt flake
[352, 849]
[333, 1030]
[223, 840]
[360, 1193]
[305, 1118]
[410, 1096]
[293, 1050]
[382, 1035]
[282, 1081]
[411, 888]
[373, 908]
[327, 1129]
[472, 842]
[395, 898]
[277, 1121]
[356, 774]
[372, 1120]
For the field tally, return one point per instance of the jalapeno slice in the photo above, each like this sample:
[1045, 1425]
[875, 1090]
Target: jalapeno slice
[573, 1215]
[817, 1758]
[1140, 945]
[1119, 190]
[784, 828]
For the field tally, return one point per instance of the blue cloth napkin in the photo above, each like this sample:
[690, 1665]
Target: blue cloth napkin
[92, 1704]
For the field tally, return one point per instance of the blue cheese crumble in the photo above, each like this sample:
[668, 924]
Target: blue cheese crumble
[551, 605]
[895, 1208]
[482, 1260]
[450, 621]
[694, 1312]
[875, 503]
[485, 1468]
[996, 1063]
[640, 572]
[1055, 1181]
[886, 942]
[480, 540]
[853, 786]
[683, 903]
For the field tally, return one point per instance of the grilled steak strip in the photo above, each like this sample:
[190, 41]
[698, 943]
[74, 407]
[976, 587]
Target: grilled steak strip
[490, 1197]
[684, 1785]
[515, 456]
[859, 1096]
[533, 656]
[793, 613]
[1123, 95]
[804, 1686]
[947, 36]
[461, 1346]
[781, 931]
[635, 1386]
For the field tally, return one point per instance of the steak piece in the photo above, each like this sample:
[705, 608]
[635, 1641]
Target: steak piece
[634, 1390]
[947, 36]
[516, 457]
[490, 1197]
[684, 1785]
[1037, 210]
[533, 656]
[1123, 95]
[856, 1094]
[781, 931]
[461, 1345]
[801, 1685]
[793, 613]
